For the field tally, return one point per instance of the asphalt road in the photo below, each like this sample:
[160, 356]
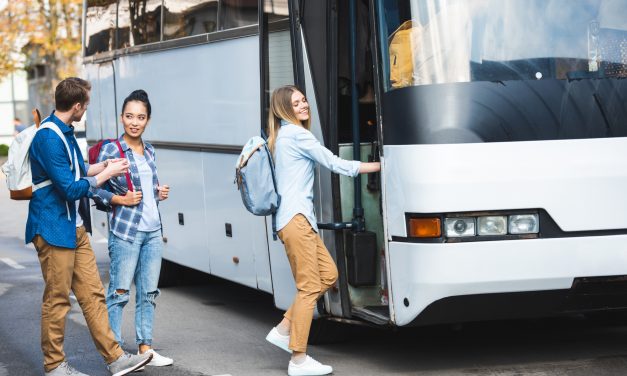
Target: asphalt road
[214, 327]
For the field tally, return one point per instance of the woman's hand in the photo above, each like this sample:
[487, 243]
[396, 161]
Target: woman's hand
[368, 167]
[131, 198]
[164, 191]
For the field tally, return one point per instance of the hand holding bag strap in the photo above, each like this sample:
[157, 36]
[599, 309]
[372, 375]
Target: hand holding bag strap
[129, 183]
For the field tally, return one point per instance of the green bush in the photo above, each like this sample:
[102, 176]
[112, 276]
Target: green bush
[4, 150]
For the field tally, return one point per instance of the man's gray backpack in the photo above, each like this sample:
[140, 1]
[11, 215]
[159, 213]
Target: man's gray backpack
[255, 178]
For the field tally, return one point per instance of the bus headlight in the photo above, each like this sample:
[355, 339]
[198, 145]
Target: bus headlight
[524, 224]
[456, 227]
[492, 225]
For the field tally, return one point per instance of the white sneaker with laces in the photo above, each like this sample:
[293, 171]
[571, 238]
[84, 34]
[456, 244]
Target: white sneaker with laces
[310, 367]
[64, 369]
[279, 340]
[158, 360]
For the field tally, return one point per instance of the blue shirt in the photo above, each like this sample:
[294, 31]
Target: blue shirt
[48, 209]
[124, 220]
[296, 153]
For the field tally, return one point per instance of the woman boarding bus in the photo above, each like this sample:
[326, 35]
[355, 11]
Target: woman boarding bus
[296, 152]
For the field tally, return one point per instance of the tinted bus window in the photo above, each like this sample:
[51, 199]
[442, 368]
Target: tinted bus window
[99, 26]
[139, 22]
[276, 10]
[187, 18]
[237, 13]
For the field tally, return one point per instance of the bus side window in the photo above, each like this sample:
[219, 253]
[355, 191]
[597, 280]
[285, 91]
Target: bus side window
[238, 13]
[184, 19]
[100, 26]
[139, 22]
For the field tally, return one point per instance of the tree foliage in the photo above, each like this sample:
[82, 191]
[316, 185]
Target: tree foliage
[41, 32]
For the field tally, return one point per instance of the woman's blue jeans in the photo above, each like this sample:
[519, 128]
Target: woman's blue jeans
[138, 261]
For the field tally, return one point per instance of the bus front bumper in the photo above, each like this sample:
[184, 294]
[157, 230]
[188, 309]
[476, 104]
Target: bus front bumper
[446, 282]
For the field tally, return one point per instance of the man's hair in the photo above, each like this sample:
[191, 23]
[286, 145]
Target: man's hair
[70, 91]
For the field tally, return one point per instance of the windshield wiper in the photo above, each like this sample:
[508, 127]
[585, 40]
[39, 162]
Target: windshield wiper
[601, 107]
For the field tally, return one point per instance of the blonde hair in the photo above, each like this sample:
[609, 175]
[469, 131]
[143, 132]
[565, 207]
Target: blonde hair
[281, 109]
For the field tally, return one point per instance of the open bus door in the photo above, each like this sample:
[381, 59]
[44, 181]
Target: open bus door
[345, 104]
[316, 35]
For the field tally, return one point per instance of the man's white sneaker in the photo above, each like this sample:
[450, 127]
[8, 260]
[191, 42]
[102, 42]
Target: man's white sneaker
[279, 340]
[310, 367]
[128, 363]
[64, 369]
[158, 360]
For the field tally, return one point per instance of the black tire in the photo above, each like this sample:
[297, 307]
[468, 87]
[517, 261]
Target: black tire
[170, 274]
[325, 331]
[173, 274]
[617, 317]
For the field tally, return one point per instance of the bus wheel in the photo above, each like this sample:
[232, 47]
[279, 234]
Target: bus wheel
[617, 317]
[326, 331]
[170, 274]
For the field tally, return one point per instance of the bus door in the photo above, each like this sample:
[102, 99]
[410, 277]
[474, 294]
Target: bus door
[318, 45]
[364, 248]
[350, 220]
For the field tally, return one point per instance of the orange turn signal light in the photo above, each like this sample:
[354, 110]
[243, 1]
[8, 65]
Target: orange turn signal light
[425, 228]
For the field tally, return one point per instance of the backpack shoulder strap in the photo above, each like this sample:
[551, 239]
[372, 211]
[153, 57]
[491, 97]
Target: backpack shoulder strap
[127, 175]
[53, 127]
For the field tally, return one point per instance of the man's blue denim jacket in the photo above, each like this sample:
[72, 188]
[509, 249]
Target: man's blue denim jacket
[48, 211]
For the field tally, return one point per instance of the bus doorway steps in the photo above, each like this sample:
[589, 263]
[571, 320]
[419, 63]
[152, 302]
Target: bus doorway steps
[375, 314]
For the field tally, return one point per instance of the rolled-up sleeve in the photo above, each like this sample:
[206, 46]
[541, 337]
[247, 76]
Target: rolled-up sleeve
[312, 148]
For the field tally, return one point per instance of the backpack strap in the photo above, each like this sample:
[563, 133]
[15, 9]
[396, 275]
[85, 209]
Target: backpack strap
[274, 232]
[50, 125]
[53, 127]
[129, 183]
[271, 160]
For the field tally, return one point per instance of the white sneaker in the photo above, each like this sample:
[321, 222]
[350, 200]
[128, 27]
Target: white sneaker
[157, 360]
[64, 369]
[279, 340]
[310, 367]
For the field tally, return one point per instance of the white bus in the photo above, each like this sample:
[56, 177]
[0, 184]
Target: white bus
[501, 126]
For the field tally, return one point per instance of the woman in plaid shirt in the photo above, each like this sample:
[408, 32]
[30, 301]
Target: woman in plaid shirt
[135, 237]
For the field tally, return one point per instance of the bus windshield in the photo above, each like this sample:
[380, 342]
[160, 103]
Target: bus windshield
[450, 41]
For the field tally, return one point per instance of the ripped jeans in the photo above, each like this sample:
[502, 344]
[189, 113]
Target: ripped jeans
[138, 261]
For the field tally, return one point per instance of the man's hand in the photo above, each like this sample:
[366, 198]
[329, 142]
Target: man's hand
[164, 191]
[96, 168]
[117, 167]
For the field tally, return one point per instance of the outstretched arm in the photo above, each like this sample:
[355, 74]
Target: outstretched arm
[369, 167]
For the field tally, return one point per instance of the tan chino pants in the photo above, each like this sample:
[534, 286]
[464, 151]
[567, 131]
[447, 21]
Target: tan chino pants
[63, 270]
[314, 272]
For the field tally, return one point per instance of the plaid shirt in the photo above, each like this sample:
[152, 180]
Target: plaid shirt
[124, 220]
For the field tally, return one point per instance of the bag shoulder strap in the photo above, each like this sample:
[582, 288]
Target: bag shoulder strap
[127, 175]
[53, 127]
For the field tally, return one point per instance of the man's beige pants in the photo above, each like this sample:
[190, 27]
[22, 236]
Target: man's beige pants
[63, 270]
[314, 272]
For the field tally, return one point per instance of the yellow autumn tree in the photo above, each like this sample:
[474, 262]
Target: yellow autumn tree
[41, 32]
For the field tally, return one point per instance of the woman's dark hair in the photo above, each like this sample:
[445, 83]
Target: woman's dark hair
[139, 96]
